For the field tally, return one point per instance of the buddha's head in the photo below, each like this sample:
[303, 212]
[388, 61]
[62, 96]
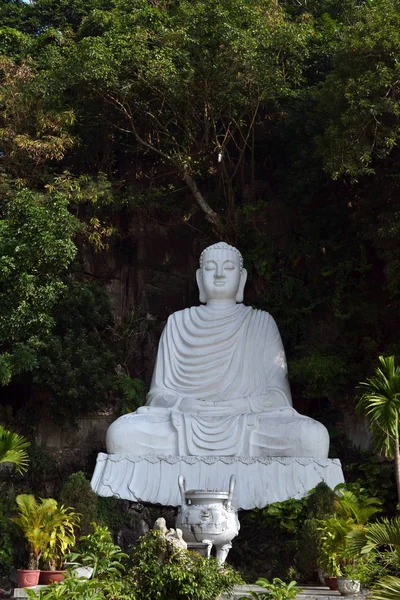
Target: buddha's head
[221, 275]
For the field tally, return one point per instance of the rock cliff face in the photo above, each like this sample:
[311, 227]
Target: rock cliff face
[149, 273]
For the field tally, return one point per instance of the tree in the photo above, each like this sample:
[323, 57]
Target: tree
[359, 99]
[185, 85]
[380, 403]
[13, 449]
[36, 248]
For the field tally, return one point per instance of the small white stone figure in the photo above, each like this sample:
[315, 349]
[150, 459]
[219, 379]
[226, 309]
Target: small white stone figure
[173, 537]
[220, 385]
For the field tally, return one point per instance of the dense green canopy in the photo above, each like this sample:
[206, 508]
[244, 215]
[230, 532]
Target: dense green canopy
[134, 132]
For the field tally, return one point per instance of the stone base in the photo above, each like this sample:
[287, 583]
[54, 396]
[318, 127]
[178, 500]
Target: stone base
[259, 481]
[22, 593]
[307, 593]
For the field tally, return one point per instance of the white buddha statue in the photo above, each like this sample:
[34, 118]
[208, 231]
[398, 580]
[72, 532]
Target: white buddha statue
[220, 385]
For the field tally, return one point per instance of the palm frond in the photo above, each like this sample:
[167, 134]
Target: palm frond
[387, 588]
[380, 403]
[13, 449]
[383, 534]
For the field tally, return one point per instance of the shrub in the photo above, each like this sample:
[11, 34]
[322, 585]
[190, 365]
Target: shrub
[277, 590]
[6, 538]
[183, 576]
[320, 504]
[77, 493]
[98, 551]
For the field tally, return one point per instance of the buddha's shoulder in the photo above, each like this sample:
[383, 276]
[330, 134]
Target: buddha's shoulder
[193, 311]
[179, 315]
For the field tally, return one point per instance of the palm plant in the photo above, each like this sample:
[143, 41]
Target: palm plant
[13, 449]
[62, 538]
[351, 513]
[381, 534]
[380, 403]
[359, 509]
[387, 588]
[384, 534]
[47, 527]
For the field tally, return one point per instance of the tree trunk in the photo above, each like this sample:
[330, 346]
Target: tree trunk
[397, 469]
[33, 561]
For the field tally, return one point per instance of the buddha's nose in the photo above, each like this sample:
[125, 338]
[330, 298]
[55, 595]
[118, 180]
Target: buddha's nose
[219, 273]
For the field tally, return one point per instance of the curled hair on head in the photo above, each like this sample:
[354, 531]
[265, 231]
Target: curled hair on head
[222, 246]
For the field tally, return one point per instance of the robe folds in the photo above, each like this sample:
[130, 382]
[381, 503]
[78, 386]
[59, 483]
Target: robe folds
[219, 388]
[220, 363]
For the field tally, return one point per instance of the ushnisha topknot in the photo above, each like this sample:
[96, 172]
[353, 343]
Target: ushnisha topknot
[221, 246]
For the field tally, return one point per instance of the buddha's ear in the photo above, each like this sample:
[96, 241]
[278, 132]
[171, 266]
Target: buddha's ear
[242, 283]
[202, 292]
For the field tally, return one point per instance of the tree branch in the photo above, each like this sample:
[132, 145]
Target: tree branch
[211, 215]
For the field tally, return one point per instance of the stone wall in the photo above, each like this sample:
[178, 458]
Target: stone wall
[74, 446]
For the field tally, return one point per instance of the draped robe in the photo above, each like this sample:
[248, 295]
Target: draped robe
[219, 388]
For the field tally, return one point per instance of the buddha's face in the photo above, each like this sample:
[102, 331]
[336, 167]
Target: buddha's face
[220, 277]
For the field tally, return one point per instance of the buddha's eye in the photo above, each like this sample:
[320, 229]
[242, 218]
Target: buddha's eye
[229, 266]
[210, 266]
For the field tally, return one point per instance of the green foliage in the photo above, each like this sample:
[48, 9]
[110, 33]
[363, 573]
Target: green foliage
[376, 476]
[380, 403]
[95, 550]
[388, 588]
[48, 528]
[36, 249]
[282, 539]
[384, 533]
[321, 374]
[134, 393]
[77, 493]
[351, 513]
[366, 569]
[7, 539]
[118, 102]
[320, 505]
[277, 590]
[307, 555]
[288, 514]
[361, 92]
[183, 576]
[13, 449]
[72, 588]
[12, 41]
[320, 501]
[76, 365]
[112, 513]
[380, 539]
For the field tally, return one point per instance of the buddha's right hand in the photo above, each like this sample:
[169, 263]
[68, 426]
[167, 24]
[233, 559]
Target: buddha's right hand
[163, 400]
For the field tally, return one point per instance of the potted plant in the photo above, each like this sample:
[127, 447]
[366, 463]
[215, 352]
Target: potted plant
[62, 538]
[349, 582]
[43, 524]
[332, 546]
[351, 512]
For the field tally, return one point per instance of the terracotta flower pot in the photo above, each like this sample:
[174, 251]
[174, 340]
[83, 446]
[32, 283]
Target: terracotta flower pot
[27, 577]
[47, 577]
[331, 582]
